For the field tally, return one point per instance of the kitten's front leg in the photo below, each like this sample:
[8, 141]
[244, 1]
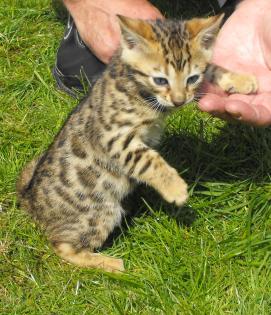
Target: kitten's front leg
[146, 165]
[231, 82]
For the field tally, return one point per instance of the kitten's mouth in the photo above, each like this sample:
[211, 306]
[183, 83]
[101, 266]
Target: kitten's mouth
[179, 104]
[183, 103]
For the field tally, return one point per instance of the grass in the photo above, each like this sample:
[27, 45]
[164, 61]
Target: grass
[211, 257]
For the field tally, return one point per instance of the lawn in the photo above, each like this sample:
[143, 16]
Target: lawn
[211, 257]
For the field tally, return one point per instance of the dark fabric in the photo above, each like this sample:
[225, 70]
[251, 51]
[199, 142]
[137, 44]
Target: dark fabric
[228, 8]
[74, 61]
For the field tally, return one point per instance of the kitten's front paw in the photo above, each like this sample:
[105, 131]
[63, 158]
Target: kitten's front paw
[114, 265]
[176, 192]
[240, 83]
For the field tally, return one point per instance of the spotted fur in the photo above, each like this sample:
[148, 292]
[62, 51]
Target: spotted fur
[74, 190]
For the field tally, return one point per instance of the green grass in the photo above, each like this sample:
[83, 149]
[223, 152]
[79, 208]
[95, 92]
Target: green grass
[211, 257]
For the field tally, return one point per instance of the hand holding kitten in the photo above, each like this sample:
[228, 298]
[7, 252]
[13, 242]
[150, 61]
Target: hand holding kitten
[244, 45]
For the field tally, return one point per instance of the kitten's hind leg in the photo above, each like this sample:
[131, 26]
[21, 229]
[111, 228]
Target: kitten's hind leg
[231, 82]
[85, 258]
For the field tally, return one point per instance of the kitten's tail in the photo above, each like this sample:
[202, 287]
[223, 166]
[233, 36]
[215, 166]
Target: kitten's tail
[25, 178]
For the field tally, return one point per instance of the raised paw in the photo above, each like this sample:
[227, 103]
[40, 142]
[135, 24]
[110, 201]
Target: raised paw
[240, 83]
[175, 191]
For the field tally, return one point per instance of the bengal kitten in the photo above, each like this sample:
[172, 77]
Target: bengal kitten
[74, 190]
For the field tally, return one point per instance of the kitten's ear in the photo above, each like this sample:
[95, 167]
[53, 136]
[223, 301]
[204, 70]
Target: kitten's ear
[205, 30]
[134, 32]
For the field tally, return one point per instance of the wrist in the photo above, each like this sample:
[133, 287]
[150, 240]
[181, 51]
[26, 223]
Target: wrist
[80, 10]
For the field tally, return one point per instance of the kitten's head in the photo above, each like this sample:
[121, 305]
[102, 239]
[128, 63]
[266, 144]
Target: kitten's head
[169, 56]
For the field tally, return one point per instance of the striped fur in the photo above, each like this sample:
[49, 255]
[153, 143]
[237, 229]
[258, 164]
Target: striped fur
[75, 188]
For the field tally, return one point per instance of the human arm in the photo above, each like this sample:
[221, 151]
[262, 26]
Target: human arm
[97, 23]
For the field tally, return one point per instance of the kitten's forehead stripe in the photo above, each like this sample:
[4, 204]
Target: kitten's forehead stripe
[173, 38]
[184, 63]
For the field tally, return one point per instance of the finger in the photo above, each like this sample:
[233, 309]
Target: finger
[248, 113]
[213, 103]
[239, 109]
[154, 14]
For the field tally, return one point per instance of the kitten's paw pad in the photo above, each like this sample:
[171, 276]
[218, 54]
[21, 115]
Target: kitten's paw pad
[241, 83]
[177, 192]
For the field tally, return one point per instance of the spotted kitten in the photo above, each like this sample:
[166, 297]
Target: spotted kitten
[107, 144]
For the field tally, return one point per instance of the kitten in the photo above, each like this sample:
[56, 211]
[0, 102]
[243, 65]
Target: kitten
[107, 144]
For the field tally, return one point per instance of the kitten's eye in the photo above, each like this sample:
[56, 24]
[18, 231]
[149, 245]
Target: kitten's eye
[193, 79]
[160, 81]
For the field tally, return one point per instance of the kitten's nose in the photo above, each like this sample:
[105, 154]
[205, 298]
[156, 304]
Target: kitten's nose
[178, 103]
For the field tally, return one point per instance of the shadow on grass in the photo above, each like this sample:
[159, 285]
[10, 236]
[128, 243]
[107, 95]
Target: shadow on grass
[238, 153]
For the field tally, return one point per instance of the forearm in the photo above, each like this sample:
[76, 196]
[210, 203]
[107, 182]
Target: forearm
[76, 7]
[72, 5]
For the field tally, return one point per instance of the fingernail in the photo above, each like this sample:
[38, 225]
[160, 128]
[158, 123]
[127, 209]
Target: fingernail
[236, 116]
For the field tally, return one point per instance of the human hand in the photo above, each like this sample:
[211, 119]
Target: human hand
[97, 23]
[244, 45]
